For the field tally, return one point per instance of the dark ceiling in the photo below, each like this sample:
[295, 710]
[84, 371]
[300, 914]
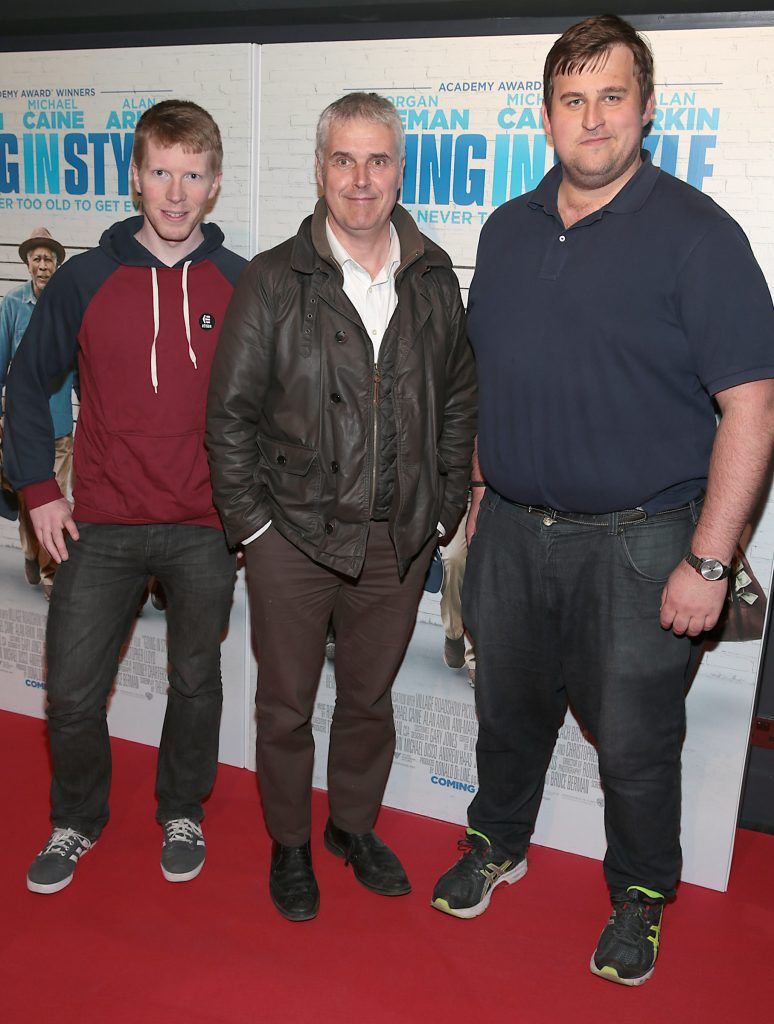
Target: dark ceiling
[63, 24]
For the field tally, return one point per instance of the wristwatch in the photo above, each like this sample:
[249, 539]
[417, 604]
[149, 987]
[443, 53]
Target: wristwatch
[708, 568]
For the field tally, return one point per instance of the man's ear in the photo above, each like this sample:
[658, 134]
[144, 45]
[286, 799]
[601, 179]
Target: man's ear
[215, 185]
[546, 119]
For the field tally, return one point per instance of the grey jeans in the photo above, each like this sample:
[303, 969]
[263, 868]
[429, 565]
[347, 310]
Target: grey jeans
[93, 606]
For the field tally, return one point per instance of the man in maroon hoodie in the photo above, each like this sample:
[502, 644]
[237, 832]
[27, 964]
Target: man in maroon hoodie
[142, 313]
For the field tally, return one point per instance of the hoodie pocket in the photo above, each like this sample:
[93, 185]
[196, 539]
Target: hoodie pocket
[153, 478]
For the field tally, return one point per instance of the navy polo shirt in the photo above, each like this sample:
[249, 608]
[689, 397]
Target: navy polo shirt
[599, 346]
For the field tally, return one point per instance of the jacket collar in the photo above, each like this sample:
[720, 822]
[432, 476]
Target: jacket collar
[311, 248]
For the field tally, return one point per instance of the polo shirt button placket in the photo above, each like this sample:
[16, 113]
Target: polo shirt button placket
[555, 255]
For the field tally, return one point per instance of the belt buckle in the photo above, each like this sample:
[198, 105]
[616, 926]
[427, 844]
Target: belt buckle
[546, 513]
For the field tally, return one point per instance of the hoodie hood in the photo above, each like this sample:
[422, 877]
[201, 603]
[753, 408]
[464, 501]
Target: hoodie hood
[121, 246]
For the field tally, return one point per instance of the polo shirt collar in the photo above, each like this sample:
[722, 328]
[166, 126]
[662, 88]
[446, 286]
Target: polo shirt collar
[631, 198]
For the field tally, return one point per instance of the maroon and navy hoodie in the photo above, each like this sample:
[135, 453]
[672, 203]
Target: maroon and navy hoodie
[144, 335]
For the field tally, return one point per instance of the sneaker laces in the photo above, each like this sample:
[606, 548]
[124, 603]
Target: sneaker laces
[480, 857]
[182, 830]
[478, 849]
[472, 844]
[635, 915]
[62, 840]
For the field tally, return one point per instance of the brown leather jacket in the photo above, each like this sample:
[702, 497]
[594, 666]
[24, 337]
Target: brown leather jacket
[292, 414]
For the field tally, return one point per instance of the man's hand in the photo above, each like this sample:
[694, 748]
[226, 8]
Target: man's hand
[740, 458]
[50, 522]
[689, 603]
[476, 494]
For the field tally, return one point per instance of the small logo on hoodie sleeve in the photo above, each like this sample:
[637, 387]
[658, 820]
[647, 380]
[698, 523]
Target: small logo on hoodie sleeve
[206, 321]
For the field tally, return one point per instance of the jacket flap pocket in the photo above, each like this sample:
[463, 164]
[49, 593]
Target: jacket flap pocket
[286, 457]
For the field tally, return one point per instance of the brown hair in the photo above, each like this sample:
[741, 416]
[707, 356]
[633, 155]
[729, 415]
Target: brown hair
[585, 46]
[369, 106]
[178, 123]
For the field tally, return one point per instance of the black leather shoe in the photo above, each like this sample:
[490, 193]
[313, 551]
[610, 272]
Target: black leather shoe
[373, 862]
[292, 885]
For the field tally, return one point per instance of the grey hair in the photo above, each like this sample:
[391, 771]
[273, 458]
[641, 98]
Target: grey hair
[369, 106]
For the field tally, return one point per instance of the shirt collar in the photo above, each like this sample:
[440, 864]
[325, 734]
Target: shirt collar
[342, 257]
[630, 199]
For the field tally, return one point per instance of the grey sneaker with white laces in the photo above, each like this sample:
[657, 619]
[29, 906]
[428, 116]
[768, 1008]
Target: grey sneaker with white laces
[54, 866]
[182, 855]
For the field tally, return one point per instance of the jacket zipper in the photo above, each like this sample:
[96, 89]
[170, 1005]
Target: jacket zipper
[375, 449]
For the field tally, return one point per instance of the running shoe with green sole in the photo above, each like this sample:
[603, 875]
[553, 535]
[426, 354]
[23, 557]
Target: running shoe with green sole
[466, 888]
[628, 946]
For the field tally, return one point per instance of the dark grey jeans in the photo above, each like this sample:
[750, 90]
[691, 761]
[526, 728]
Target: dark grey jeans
[562, 612]
[92, 609]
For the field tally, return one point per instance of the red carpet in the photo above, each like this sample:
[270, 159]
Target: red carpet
[122, 946]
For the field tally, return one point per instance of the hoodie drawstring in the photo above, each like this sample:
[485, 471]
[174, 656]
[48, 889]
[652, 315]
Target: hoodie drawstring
[187, 315]
[186, 321]
[154, 375]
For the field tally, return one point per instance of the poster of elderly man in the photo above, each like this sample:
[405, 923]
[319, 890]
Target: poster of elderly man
[43, 256]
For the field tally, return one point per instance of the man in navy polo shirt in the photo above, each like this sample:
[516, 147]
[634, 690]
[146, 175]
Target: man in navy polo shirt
[609, 307]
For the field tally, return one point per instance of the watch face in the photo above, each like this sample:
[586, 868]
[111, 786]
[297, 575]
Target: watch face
[711, 569]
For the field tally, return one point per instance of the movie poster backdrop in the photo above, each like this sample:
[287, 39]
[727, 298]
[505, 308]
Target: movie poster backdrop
[471, 109]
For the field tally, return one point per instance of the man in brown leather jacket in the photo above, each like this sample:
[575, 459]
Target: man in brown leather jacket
[340, 424]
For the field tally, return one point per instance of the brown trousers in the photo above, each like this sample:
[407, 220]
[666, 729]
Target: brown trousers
[292, 599]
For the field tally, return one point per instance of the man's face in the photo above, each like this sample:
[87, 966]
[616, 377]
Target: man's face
[360, 176]
[41, 263]
[596, 121]
[176, 188]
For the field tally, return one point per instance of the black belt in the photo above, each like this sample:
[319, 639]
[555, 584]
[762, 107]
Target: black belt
[629, 515]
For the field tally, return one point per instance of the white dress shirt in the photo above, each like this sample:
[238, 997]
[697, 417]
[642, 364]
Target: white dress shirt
[374, 298]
